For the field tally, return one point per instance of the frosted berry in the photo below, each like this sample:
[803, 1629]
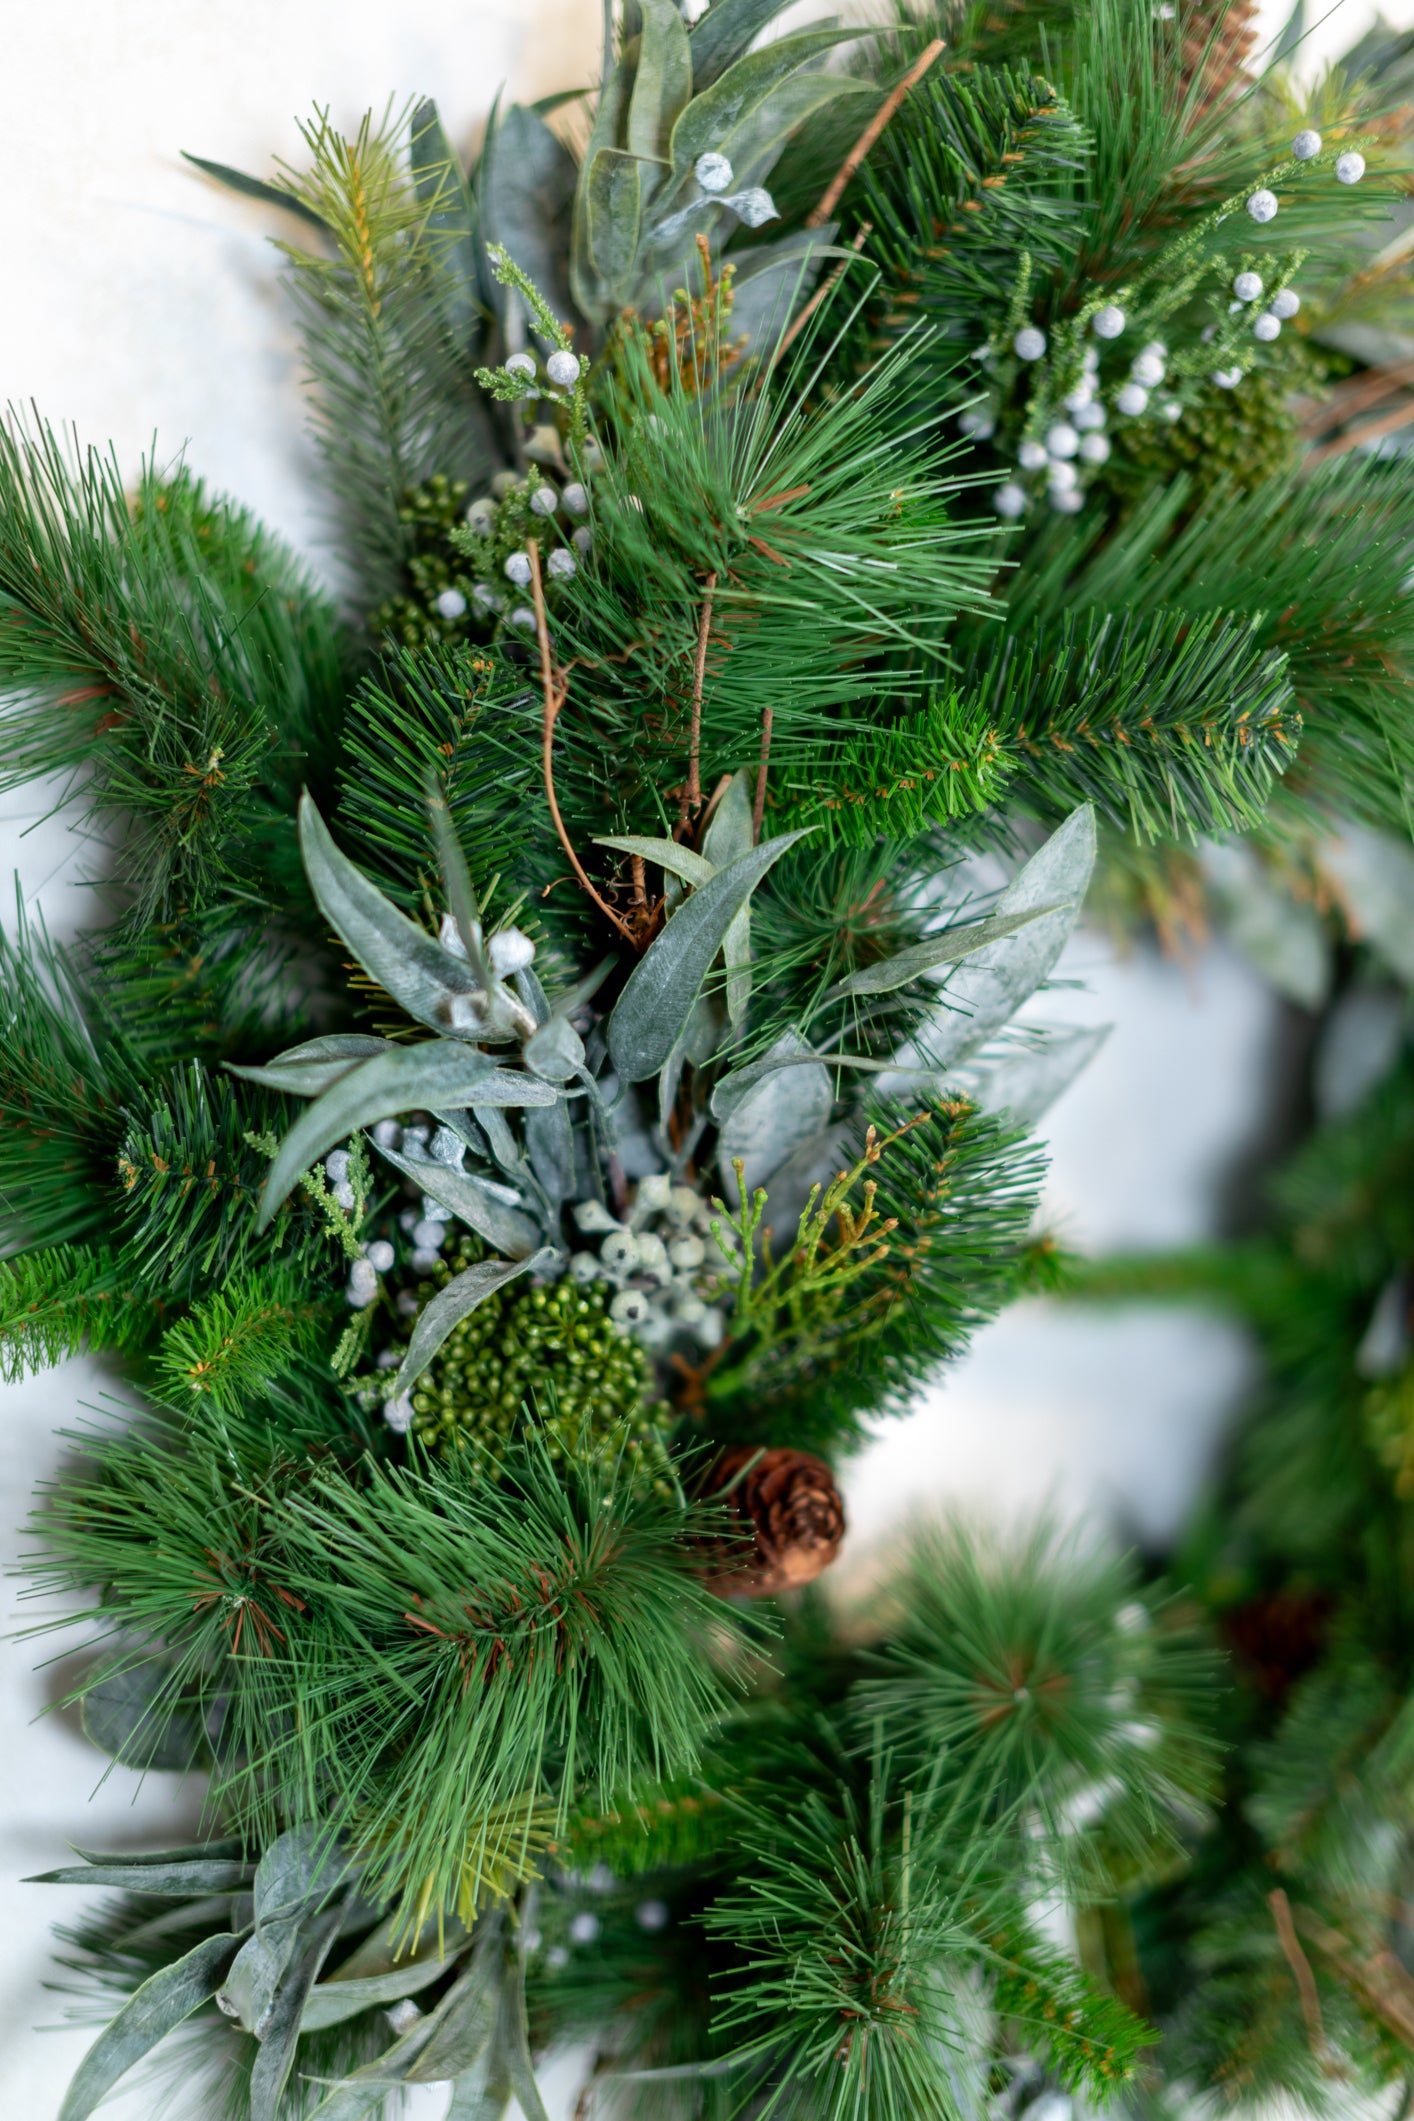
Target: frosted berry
[1010, 501]
[1031, 456]
[1267, 327]
[1263, 205]
[518, 569]
[1306, 144]
[1131, 400]
[1247, 286]
[1109, 322]
[1349, 168]
[1062, 440]
[451, 604]
[1285, 303]
[713, 172]
[563, 369]
[521, 364]
[1029, 343]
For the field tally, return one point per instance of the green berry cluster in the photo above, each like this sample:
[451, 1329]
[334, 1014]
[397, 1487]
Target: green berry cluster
[548, 1350]
[412, 618]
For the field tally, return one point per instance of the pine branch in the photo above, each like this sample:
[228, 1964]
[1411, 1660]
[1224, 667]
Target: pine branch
[900, 779]
[234, 1341]
[55, 1302]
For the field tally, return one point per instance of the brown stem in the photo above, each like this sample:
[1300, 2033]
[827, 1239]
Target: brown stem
[758, 807]
[1301, 1973]
[822, 294]
[871, 133]
[554, 700]
[692, 791]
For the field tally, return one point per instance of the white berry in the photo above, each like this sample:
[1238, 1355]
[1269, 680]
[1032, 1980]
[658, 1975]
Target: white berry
[575, 500]
[1147, 369]
[562, 564]
[1171, 410]
[1267, 327]
[977, 422]
[1090, 417]
[1095, 449]
[1062, 440]
[1227, 378]
[337, 1165]
[544, 501]
[1247, 286]
[1010, 500]
[523, 617]
[510, 950]
[379, 1255]
[1263, 205]
[521, 364]
[397, 1413]
[1350, 168]
[1109, 322]
[451, 603]
[1306, 144]
[345, 1196]
[582, 540]
[481, 516]
[1029, 343]
[1285, 303]
[1067, 500]
[1031, 456]
[629, 1307]
[1076, 400]
[713, 172]
[563, 369]
[1131, 400]
[518, 569]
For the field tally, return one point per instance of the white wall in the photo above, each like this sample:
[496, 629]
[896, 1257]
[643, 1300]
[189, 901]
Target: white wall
[137, 300]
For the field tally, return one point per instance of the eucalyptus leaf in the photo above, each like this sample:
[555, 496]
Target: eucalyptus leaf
[662, 81]
[554, 1050]
[386, 1950]
[461, 892]
[257, 188]
[549, 1144]
[732, 830]
[683, 862]
[768, 1123]
[583, 990]
[230, 1849]
[364, 2095]
[773, 279]
[123, 1715]
[451, 1305]
[721, 36]
[467, 2024]
[442, 187]
[947, 948]
[743, 95]
[527, 191]
[663, 987]
[152, 1876]
[285, 2022]
[299, 1866]
[981, 998]
[163, 2002]
[476, 1201]
[483, 2094]
[248, 1992]
[1027, 1081]
[429, 982]
[405, 1077]
[334, 1045]
[613, 195]
[334, 2001]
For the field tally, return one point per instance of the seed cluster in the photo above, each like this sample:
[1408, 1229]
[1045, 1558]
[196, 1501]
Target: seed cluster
[548, 1348]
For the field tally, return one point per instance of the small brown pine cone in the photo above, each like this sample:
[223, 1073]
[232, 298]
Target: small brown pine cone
[1218, 40]
[790, 1513]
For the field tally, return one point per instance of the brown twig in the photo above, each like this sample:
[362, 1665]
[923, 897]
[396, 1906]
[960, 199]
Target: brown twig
[758, 807]
[871, 133]
[554, 700]
[1372, 429]
[1301, 1973]
[692, 787]
[1361, 391]
[822, 293]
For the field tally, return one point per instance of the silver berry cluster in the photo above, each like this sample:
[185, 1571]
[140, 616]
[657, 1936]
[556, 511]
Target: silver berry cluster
[661, 1260]
[495, 526]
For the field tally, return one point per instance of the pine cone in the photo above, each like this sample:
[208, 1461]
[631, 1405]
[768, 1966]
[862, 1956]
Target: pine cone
[789, 1509]
[1218, 39]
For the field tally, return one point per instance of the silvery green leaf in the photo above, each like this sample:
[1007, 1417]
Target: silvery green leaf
[468, 2022]
[400, 1080]
[1375, 872]
[423, 978]
[248, 1992]
[482, 2095]
[303, 1072]
[488, 1209]
[527, 191]
[510, 1087]
[334, 1045]
[583, 990]
[549, 1144]
[337, 1999]
[662, 81]
[948, 947]
[299, 1866]
[451, 1305]
[285, 2019]
[503, 1143]
[1027, 1081]
[744, 108]
[981, 998]
[732, 831]
[152, 1875]
[613, 199]
[773, 279]
[736, 956]
[664, 985]
[364, 2095]
[386, 1949]
[721, 36]
[555, 1051]
[124, 1714]
[461, 892]
[790, 1052]
[1283, 937]
[683, 862]
[256, 188]
[441, 186]
[163, 2001]
[768, 1123]
[228, 1851]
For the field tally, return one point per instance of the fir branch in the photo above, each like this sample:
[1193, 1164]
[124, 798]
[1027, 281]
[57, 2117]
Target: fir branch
[901, 778]
[234, 1341]
[57, 1301]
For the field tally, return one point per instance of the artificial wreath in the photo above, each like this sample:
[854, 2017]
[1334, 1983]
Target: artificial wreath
[550, 1081]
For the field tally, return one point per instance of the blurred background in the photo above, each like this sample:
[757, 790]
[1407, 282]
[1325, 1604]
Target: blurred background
[144, 307]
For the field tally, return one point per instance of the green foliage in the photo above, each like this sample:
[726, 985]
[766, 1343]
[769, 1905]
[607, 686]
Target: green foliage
[232, 1343]
[900, 778]
[57, 1301]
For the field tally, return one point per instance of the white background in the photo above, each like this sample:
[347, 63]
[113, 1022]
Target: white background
[138, 302]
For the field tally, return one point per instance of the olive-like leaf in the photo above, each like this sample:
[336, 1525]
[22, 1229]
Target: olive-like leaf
[526, 190]
[684, 862]
[721, 36]
[554, 1050]
[152, 1876]
[422, 977]
[365, 2094]
[335, 2000]
[1027, 1081]
[549, 1143]
[299, 1866]
[249, 1990]
[743, 94]
[732, 830]
[257, 188]
[613, 196]
[452, 1304]
[405, 1077]
[386, 1949]
[771, 1120]
[466, 2027]
[948, 947]
[128, 1713]
[477, 1202]
[442, 188]
[662, 82]
[461, 892]
[664, 985]
[163, 2001]
[285, 2020]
